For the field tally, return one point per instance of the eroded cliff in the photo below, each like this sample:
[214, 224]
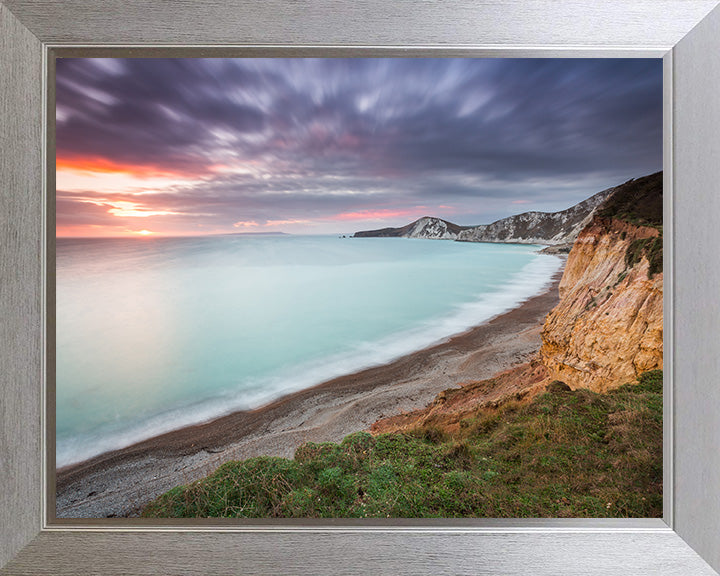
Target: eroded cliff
[608, 327]
[606, 330]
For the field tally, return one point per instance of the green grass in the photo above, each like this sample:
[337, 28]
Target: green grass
[651, 248]
[565, 454]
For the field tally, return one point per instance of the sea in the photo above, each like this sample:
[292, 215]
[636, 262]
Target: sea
[153, 334]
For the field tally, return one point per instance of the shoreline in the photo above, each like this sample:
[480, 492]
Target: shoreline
[530, 280]
[120, 482]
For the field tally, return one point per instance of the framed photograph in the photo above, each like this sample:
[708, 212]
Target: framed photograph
[53, 523]
[246, 276]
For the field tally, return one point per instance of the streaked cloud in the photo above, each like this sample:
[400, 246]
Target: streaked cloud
[196, 146]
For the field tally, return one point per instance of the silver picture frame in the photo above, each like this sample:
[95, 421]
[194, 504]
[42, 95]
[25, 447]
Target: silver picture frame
[685, 33]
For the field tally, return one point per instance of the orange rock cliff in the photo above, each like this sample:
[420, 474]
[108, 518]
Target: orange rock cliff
[608, 327]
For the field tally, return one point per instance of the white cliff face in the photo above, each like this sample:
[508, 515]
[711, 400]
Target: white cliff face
[432, 228]
[551, 228]
[426, 227]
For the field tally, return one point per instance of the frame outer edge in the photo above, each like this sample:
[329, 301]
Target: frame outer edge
[373, 22]
[20, 271]
[20, 284]
[397, 554]
[697, 306]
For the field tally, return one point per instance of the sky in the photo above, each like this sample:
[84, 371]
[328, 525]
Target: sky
[318, 146]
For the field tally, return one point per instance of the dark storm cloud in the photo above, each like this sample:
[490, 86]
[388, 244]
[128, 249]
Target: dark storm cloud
[547, 132]
[544, 118]
[147, 112]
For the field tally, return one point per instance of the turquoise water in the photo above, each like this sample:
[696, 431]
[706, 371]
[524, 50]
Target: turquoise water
[155, 334]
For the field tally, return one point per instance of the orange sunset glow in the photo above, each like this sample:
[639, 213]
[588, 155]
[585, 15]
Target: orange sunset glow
[98, 165]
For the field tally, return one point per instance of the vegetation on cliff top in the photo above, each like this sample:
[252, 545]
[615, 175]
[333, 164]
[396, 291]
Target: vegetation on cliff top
[638, 201]
[564, 454]
[651, 248]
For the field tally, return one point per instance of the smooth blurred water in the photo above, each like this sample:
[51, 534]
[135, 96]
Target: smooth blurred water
[155, 334]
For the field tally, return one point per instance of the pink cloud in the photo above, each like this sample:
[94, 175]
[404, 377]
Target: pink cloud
[285, 222]
[390, 213]
[378, 214]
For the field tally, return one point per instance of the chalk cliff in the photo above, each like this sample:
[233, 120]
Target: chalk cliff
[426, 227]
[549, 228]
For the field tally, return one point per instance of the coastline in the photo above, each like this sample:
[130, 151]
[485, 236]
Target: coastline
[119, 483]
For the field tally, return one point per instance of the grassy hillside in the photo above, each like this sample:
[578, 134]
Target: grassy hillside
[564, 454]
